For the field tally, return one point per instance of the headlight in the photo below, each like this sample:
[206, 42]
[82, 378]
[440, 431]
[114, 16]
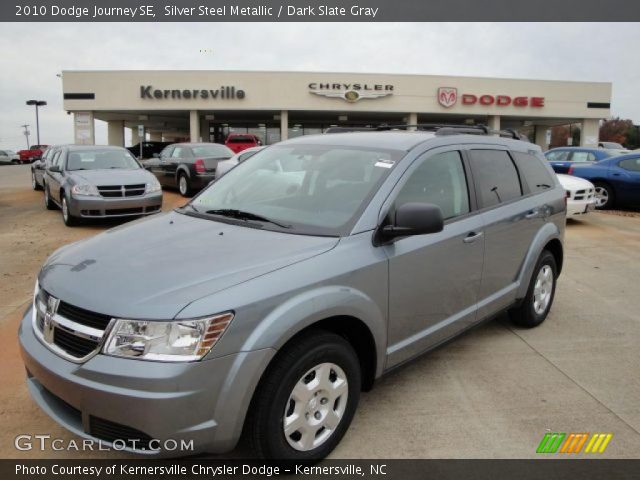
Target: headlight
[85, 189]
[169, 341]
[153, 186]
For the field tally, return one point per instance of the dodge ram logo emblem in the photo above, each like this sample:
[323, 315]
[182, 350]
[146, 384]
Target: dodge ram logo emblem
[447, 96]
[52, 308]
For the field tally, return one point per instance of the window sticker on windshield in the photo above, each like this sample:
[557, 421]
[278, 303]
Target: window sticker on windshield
[384, 163]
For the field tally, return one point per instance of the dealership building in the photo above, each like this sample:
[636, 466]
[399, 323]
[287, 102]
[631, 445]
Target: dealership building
[207, 105]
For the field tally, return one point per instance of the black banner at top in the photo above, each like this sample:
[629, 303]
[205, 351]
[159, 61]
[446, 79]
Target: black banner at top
[319, 11]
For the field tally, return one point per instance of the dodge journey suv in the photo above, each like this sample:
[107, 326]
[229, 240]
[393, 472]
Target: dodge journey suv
[266, 304]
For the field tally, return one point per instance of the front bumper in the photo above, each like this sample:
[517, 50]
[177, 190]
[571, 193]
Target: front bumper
[580, 207]
[203, 403]
[100, 207]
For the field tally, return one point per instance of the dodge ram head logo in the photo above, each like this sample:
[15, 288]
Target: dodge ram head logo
[447, 96]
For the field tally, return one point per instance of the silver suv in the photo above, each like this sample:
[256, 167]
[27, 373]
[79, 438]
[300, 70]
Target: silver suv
[274, 297]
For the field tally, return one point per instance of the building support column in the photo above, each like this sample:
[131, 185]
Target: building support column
[590, 133]
[494, 122]
[135, 138]
[541, 137]
[204, 130]
[412, 120]
[84, 130]
[194, 126]
[155, 136]
[115, 133]
[284, 125]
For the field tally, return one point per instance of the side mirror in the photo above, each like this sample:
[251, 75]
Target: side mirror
[55, 169]
[414, 219]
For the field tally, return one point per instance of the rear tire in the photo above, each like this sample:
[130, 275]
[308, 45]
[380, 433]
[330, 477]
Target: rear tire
[306, 400]
[605, 196]
[183, 185]
[536, 304]
[48, 203]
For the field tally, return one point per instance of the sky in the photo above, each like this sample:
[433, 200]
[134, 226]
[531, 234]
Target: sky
[33, 55]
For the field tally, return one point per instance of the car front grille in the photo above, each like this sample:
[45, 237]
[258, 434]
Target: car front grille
[71, 332]
[119, 191]
[584, 194]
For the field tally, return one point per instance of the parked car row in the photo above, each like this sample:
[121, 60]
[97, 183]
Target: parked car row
[614, 175]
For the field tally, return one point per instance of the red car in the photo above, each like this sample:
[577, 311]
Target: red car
[31, 155]
[241, 141]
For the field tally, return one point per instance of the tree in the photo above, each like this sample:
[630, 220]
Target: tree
[615, 130]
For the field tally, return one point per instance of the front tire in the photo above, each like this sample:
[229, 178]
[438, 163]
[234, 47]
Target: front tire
[605, 196]
[536, 305]
[69, 220]
[306, 400]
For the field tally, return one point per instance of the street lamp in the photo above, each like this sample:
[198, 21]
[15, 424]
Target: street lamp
[37, 103]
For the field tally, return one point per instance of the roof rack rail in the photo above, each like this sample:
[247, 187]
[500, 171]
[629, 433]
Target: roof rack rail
[437, 128]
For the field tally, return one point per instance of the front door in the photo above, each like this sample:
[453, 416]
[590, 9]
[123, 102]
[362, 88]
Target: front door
[434, 279]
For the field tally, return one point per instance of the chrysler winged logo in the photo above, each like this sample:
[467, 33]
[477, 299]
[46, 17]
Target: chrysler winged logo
[351, 96]
[52, 308]
[447, 96]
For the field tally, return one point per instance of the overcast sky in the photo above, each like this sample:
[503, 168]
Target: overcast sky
[32, 55]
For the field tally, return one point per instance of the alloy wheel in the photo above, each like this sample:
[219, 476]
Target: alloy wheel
[602, 197]
[542, 289]
[183, 185]
[315, 407]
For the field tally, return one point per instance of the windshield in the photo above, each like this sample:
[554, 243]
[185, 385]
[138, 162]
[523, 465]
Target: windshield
[310, 189]
[219, 151]
[100, 160]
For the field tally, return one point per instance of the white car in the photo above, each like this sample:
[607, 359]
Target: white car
[581, 194]
[8, 157]
[225, 165]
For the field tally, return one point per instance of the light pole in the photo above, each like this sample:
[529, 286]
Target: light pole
[26, 134]
[37, 103]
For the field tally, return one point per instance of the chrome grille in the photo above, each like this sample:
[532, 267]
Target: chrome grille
[72, 332]
[119, 191]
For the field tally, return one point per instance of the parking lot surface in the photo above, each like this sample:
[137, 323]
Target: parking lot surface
[492, 393]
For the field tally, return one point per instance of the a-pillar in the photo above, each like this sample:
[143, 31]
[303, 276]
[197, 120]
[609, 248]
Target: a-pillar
[284, 124]
[115, 133]
[590, 132]
[541, 136]
[84, 130]
[494, 122]
[194, 126]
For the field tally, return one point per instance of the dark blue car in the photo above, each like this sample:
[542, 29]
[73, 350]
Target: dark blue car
[617, 180]
[563, 157]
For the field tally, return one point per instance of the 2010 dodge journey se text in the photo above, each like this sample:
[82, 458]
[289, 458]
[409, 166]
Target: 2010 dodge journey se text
[265, 305]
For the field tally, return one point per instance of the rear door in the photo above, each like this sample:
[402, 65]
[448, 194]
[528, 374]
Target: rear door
[511, 216]
[54, 179]
[434, 279]
[625, 177]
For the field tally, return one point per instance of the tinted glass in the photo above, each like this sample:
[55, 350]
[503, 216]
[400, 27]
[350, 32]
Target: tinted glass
[439, 180]
[316, 189]
[218, 151]
[180, 152]
[533, 171]
[167, 151]
[496, 177]
[100, 160]
[56, 158]
[632, 164]
[558, 156]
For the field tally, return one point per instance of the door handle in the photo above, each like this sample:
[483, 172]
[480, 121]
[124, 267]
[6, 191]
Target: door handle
[472, 237]
[532, 214]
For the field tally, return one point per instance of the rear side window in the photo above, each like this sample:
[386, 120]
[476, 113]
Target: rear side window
[495, 176]
[583, 157]
[632, 164]
[533, 172]
[557, 156]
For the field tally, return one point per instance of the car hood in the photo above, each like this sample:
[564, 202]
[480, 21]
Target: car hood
[111, 176]
[570, 182]
[155, 267]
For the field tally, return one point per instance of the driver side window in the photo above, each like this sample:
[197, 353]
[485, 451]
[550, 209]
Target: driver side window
[439, 180]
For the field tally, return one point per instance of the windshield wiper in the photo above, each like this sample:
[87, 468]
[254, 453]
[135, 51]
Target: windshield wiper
[242, 215]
